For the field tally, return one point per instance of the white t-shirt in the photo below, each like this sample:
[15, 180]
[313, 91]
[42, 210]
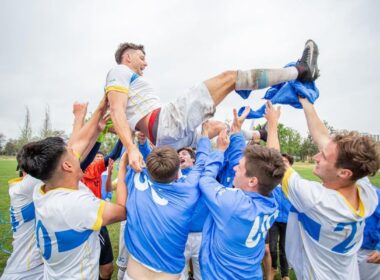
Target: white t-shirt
[67, 227]
[25, 254]
[326, 231]
[141, 97]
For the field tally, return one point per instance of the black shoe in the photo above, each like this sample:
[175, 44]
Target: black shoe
[307, 66]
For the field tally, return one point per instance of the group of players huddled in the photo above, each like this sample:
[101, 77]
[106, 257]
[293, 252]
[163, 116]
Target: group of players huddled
[213, 204]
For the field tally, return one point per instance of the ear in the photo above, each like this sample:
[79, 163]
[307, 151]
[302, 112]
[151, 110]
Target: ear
[67, 166]
[127, 57]
[345, 174]
[253, 182]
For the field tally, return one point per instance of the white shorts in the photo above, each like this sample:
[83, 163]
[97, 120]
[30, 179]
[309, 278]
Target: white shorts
[193, 246]
[36, 273]
[368, 271]
[122, 259]
[179, 120]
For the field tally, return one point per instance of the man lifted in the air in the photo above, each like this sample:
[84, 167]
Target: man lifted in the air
[135, 106]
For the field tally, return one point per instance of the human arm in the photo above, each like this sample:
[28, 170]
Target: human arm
[143, 145]
[118, 103]
[109, 175]
[115, 153]
[115, 212]
[272, 115]
[79, 111]
[80, 142]
[221, 201]
[90, 157]
[317, 128]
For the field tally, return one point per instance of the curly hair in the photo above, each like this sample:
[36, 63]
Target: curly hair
[360, 154]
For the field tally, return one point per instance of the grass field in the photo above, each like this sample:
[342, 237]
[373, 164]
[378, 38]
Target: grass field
[7, 171]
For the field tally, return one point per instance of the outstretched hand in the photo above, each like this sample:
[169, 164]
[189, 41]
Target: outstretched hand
[238, 121]
[223, 141]
[272, 114]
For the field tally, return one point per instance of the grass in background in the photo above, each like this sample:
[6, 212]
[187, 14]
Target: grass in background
[7, 171]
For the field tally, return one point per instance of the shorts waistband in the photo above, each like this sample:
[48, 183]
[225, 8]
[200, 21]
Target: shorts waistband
[153, 124]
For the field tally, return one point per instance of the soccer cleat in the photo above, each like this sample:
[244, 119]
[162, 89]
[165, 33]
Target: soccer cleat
[307, 66]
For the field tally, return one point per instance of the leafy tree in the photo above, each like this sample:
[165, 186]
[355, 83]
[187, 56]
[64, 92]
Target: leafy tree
[290, 140]
[11, 147]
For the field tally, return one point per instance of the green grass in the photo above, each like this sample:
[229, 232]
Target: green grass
[7, 171]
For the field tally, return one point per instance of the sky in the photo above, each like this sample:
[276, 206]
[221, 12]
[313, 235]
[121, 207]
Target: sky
[53, 53]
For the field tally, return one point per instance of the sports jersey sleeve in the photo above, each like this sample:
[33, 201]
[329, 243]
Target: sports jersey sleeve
[232, 156]
[145, 149]
[86, 211]
[221, 201]
[203, 149]
[302, 194]
[119, 79]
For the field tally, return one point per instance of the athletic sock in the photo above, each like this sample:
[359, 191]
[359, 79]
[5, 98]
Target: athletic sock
[262, 78]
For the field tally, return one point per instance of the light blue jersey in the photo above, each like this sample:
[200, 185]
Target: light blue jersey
[234, 234]
[159, 215]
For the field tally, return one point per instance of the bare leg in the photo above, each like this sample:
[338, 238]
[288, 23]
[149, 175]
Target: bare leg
[221, 85]
[267, 263]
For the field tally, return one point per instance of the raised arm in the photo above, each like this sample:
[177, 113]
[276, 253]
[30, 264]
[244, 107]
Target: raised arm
[317, 128]
[116, 212]
[89, 132]
[79, 111]
[272, 115]
[118, 103]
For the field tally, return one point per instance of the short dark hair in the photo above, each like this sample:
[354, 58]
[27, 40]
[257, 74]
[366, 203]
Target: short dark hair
[266, 165]
[360, 154]
[126, 46]
[163, 164]
[288, 157]
[41, 158]
[189, 150]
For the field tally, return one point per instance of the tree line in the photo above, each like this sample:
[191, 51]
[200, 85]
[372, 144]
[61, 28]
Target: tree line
[291, 140]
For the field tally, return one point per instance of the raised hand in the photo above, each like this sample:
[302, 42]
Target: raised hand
[272, 114]
[223, 141]
[80, 109]
[238, 121]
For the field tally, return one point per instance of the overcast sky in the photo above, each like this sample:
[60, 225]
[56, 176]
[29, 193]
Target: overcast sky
[56, 52]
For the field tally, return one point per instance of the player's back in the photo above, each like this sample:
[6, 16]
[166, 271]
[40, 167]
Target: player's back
[158, 220]
[234, 235]
[25, 254]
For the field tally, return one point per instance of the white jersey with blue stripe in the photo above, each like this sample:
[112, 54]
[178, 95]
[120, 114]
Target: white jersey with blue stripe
[141, 97]
[234, 233]
[326, 230]
[67, 225]
[158, 216]
[25, 254]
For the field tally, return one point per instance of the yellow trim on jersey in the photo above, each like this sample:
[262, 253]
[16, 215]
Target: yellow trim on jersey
[15, 180]
[117, 88]
[361, 211]
[285, 181]
[56, 189]
[99, 219]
